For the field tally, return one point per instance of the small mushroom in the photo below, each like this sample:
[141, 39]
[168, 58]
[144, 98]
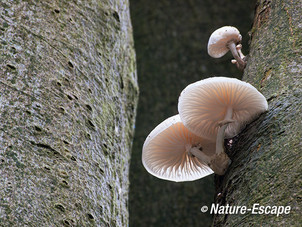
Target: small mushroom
[224, 39]
[219, 107]
[239, 47]
[168, 152]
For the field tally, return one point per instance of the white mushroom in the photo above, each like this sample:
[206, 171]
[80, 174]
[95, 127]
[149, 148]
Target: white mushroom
[219, 107]
[168, 152]
[239, 47]
[224, 39]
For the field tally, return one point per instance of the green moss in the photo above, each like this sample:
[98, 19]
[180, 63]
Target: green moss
[10, 154]
[5, 24]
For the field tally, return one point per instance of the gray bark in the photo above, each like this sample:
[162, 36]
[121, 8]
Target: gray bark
[266, 156]
[68, 95]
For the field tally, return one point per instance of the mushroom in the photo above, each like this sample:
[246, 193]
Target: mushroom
[241, 55]
[239, 47]
[224, 39]
[168, 152]
[219, 107]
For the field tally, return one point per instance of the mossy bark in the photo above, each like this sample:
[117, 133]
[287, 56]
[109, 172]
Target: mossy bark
[266, 167]
[67, 106]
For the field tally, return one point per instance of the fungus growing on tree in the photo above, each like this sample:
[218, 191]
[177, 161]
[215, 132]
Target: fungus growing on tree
[168, 152]
[219, 107]
[224, 39]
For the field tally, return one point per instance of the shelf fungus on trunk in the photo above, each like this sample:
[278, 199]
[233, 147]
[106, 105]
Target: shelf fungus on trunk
[224, 39]
[219, 107]
[168, 152]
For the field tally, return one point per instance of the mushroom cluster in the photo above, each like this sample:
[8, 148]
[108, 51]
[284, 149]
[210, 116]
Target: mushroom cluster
[190, 145]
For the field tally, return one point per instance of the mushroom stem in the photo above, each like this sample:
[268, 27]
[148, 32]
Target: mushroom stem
[200, 155]
[220, 161]
[239, 47]
[241, 63]
[221, 131]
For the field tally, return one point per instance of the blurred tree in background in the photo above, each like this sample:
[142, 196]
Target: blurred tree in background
[171, 39]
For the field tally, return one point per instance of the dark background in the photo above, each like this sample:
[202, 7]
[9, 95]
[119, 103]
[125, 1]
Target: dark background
[171, 47]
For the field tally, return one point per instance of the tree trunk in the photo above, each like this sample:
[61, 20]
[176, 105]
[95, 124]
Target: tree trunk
[67, 106]
[266, 167]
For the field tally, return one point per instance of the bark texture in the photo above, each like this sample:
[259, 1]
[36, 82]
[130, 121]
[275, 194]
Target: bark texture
[266, 156]
[68, 97]
[171, 39]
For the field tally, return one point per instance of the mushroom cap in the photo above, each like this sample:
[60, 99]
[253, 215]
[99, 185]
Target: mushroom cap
[204, 103]
[217, 45]
[165, 152]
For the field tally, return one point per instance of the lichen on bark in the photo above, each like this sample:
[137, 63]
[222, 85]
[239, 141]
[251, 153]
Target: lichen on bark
[266, 167]
[67, 107]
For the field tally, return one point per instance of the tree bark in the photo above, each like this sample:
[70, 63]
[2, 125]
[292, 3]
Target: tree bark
[266, 167]
[67, 106]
